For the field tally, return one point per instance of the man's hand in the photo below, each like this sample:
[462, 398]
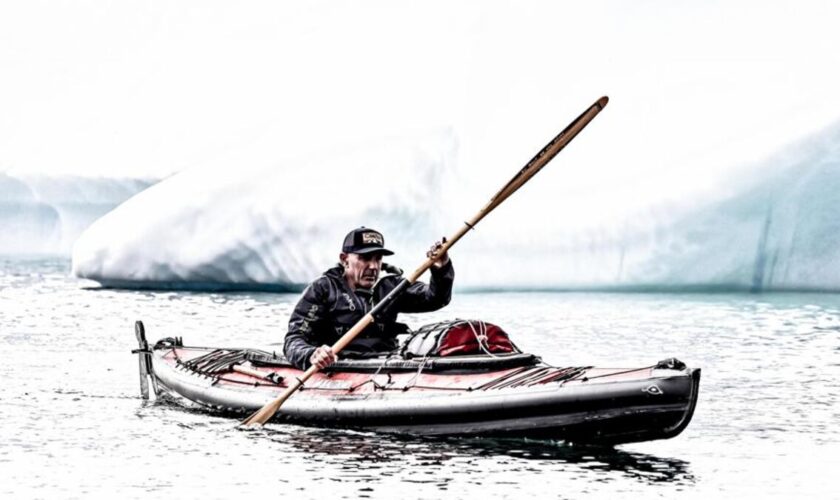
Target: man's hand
[323, 357]
[441, 259]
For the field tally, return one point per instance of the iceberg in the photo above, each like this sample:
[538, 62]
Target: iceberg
[779, 230]
[45, 215]
[772, 225]
[266, 226]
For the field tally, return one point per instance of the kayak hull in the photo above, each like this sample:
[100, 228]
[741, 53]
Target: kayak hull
[464, 397]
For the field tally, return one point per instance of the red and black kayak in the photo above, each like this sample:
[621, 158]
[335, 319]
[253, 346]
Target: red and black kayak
[491, 391]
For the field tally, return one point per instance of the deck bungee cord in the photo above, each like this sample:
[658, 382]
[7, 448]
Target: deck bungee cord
[218, 363]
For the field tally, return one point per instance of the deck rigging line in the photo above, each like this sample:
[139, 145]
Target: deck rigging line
[219, 362]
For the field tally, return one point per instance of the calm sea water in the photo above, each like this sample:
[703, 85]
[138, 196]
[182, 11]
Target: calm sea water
[72, 423]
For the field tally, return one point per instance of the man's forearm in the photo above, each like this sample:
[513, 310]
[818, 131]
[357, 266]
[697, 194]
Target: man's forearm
[297, 350]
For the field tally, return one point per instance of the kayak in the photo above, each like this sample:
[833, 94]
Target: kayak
[484, 393]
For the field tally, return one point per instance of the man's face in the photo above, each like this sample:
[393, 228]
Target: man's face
[361, 270]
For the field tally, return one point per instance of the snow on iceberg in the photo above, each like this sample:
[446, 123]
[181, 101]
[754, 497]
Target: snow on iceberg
[272, 227]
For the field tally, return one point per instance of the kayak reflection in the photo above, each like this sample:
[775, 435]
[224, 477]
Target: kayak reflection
[369, 448]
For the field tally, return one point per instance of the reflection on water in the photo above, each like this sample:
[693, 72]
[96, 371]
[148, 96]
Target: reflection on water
[364, 448]
[73, 424]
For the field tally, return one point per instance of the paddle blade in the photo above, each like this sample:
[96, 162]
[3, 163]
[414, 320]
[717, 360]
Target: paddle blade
[263, 415]
[544, 156]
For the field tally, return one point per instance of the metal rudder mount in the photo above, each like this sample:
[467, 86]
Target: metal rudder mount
[144, 356]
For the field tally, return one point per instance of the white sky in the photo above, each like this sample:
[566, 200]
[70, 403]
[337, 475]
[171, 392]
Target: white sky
[141, 88]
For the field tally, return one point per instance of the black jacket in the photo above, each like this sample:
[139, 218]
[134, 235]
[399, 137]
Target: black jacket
[329, 308]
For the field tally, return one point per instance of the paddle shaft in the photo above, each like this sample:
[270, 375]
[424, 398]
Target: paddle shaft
[524, 175]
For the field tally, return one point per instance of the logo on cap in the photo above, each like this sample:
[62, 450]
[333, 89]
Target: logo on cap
[372, 238]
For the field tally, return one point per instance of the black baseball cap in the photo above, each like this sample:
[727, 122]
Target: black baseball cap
[363, 241]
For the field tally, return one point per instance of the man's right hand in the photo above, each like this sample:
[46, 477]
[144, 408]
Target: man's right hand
[323, 357]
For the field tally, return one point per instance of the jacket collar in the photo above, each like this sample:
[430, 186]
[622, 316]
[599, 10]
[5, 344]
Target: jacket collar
[336, 273]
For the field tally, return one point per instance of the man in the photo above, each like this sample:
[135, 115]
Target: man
[336, 301]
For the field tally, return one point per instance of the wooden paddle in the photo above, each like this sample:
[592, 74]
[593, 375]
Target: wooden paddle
[264, 414]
